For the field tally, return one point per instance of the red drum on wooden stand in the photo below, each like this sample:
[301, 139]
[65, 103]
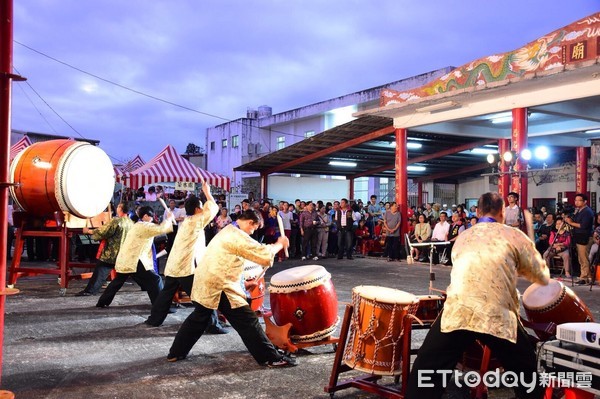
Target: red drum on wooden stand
[304, 296]
[257, 295]
[554, 303]
[430, 306]
[376, 329]
[62, 175]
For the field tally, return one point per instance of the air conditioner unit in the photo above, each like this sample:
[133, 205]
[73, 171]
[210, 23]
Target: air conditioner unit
[257, 148]
[251, 147]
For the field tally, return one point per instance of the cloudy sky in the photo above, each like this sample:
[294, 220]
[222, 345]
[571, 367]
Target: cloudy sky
[140, 74]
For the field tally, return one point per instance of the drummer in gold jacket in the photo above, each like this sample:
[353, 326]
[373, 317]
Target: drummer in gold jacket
[187, 250]
[218, 284]
[483, 304]
[136, 257]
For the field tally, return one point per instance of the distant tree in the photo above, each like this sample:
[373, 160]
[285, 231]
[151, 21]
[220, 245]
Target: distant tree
[193, 149]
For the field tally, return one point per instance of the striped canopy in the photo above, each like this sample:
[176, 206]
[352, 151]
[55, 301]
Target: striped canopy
[169, 166]
[133, 164]
[19, 146]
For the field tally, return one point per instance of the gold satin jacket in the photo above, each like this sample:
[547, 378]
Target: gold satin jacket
[222, 266]
[482, 296]
[138, 245]
[190, 242]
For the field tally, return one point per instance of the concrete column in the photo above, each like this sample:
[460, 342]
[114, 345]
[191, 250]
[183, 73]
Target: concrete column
[520, 181]
[581, 171]
[401, 194]
[504, 179]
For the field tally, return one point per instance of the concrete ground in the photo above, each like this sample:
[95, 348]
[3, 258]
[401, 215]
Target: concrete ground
[66, 348]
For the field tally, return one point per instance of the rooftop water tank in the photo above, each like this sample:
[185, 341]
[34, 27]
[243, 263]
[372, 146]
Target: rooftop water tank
[264, 111]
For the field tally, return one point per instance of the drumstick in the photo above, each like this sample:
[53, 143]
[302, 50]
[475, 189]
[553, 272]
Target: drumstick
[162, 202]
[282, 232]
[529, 224]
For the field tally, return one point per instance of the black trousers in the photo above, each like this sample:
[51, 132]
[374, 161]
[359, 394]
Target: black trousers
[243, 320]
[345, 242]
[441, 351]
[147, 279]
[393, 247]
[162, 304]
[309, 239]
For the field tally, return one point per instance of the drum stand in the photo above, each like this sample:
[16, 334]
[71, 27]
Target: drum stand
[368, 382]
[280, 337]
[64, 265]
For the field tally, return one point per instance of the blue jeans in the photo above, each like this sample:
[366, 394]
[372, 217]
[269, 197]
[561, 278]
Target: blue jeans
[101, 272]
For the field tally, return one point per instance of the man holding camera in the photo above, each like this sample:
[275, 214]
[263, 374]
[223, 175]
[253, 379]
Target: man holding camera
[582, 223]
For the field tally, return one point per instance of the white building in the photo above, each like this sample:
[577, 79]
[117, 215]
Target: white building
[234, 143]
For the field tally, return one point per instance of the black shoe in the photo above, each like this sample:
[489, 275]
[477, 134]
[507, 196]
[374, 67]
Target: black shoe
[100, 305]
[216, 330]
[84, 293]
[285, 361]
[582, 282]
[148, 324]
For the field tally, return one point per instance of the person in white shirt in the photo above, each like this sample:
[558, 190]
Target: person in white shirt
[512, 213]
[440, 231]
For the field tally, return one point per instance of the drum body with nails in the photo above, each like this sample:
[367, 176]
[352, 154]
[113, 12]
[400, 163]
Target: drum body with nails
[62, 175]
[305, 297]
[257, 295]
[430, 306]
[376, 329]
[554, 303]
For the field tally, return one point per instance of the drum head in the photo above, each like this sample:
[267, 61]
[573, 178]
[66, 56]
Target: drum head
[299, 278]
[251, 270]
[538, 296]
[384, 294]
[86, 182]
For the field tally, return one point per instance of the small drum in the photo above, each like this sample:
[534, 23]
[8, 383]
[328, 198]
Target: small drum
[430, 306]
[374, 341]
[555, 303]
[62, 175]
[257, 295]
[305, 297]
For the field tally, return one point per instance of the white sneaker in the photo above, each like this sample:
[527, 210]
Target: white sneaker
[304, 258]
[316, 258]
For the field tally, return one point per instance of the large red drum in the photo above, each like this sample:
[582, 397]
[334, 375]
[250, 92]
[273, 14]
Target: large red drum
[305, 297]
[257, 295]
[377, 328]
[554, 303]
[62, 175]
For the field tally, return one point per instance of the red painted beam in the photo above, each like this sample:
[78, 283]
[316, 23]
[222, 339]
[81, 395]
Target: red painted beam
[458, 172]
[428, 157]
[6, 54]
[347, 144]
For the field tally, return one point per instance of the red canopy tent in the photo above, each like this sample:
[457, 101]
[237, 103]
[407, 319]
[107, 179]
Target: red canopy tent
[129, 166]
[169, 166]
[133, 164]
[19, 146]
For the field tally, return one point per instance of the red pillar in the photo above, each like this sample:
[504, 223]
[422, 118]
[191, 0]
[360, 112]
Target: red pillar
[419, 194]
[351, 189]
[6, 52]
[520, 181]
[504, 179]
[264, 180]
[581, 175]
[402, 178]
